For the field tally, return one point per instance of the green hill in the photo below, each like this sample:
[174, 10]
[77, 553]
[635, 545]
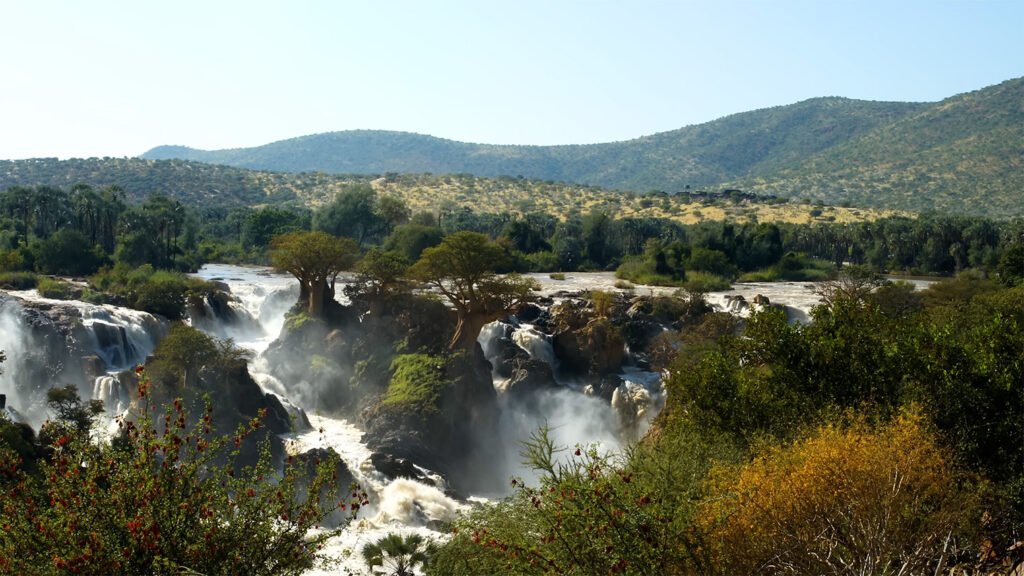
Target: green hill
[964, 154]
[201, 185]
[961, 154]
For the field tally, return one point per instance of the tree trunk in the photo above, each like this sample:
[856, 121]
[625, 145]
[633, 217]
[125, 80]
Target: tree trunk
[468, 327]
[317, 292]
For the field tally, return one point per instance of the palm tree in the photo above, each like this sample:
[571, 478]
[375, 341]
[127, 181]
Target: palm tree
[398, 554]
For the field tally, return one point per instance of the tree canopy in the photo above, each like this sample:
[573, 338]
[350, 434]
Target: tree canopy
[315, 259]
[462, 269]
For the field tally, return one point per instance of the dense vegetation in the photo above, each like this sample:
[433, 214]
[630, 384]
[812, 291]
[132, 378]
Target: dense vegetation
[776, 442]
[960, 153]
[165, 496]
[219, 188]
[133, 253]
[883, 438]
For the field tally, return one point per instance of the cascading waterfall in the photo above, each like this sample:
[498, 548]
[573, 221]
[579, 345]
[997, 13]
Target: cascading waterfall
[396, 505]
[47, 342]
[536, 343]
[122, 337]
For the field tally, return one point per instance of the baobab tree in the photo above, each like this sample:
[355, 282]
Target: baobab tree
[315, 259]
[462, 268]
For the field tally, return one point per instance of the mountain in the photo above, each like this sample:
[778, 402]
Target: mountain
[963, 153]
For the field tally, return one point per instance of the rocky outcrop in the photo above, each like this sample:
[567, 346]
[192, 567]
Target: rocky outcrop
[528, 377]
[443, 435]
[306, 465]
[596, 348]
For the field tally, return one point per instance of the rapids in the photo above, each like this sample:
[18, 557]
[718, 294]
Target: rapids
[575, 414]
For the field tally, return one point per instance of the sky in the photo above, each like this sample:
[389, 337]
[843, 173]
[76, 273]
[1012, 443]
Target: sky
[104, 78]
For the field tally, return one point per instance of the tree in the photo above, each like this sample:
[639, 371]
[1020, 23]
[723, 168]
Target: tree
[315, 259]
[462, 269]
[352, 213]
[398, 555]
[72, 415]
[382, 273]
[412, 239]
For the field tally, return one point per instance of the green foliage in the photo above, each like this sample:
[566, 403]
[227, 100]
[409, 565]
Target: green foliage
[68, 252]
[144, 288]
[18, 280]
[412, 239]
[417, 383]
[71, 415]
[352, 213]
[160, 501]
[958, 359]
[793, 267]
[398, 555]
[53, 288]
[179, 356]
[382, 273]
[462, 268]
[588, 514]
[315, 259]
[702, 282]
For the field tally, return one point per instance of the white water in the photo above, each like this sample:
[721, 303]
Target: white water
[404, 506]
[399, 505]
[120, 337]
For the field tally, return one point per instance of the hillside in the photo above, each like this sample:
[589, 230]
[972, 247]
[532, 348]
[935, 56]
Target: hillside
[961, 154]
[198, 184]
[964, 154]
[695, 156]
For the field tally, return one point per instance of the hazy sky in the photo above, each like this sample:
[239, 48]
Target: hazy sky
[92, 78]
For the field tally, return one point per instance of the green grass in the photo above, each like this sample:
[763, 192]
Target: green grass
[52, 288]
[417, 382]
[18, 280]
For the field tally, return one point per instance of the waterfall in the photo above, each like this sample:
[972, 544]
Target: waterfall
[536, 343]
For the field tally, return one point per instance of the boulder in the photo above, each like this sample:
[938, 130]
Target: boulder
[528, 377]
[394, 467]
[93, 366]
[596, 348]
[306, 465]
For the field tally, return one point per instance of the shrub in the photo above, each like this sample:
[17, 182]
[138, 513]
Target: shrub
[588, 514]
[53, 288]
[701, 282]
[18, 280]
[160, 501]
[844, 500]
[557, 275]
[602, 302]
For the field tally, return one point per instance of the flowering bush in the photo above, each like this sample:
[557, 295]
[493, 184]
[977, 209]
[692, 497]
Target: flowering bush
[160, 499]
[845, 500]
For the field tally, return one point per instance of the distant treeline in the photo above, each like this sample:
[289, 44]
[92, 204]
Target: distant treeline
[81, 230]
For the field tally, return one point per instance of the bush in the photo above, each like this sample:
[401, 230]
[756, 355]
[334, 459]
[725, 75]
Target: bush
[53, 288]
[159, 502]
[18, 280]
[845, 500]
[701, 282]
[602, 302]
[589, 515]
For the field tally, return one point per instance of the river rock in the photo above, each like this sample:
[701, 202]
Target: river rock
[394, 467]
[528, 377]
